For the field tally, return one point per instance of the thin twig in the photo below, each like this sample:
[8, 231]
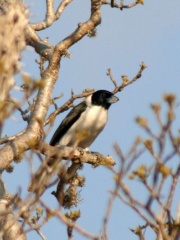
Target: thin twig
[121, 6]
[126, 81]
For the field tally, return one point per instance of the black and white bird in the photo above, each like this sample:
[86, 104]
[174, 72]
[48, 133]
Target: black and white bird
[85, 121]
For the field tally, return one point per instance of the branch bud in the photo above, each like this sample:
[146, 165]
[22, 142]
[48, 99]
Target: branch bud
[143, 122]
[156, 107]
[125, 79]
[164, 170]
[170, 99]
[149, 145]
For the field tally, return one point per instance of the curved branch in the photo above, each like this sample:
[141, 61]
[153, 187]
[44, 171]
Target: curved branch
[61, 8]
[54, 155]
[76, 155]
[9, 226]
[54, 54]
[51, 17]
[121, 6]
[125, 79]
[43, 48]
[32, 135]
[82, 30]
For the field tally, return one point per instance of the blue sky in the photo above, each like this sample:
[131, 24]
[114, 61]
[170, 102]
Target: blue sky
[149, 33]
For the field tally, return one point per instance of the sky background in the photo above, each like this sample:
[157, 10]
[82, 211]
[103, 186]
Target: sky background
[148, 33]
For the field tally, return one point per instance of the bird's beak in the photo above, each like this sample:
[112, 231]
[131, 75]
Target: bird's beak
[112, 99]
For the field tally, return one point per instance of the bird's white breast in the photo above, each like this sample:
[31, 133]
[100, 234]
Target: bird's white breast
[84, 131]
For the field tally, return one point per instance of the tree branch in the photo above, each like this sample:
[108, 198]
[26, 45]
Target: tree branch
[54, 155]
[121, 6]
[9, 226]
[125, 79]
[51, 17]
[82, 30]
[44, 48]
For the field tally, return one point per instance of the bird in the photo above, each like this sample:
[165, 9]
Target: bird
[85, 121]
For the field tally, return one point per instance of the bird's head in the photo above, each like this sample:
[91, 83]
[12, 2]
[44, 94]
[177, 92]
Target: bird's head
[103, 98]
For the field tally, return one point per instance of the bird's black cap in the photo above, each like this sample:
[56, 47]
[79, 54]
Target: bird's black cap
[104, 98]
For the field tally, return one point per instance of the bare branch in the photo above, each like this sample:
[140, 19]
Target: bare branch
[9, 226]
[126, 81]
[61, 8]
[171, 192]
[82, 30]
[121, 6]
[54, 155]
[51, 16]
[33, 133]
[61, 217]
[44, 48]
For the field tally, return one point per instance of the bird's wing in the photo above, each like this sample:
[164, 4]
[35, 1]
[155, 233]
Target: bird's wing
[68, 121]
